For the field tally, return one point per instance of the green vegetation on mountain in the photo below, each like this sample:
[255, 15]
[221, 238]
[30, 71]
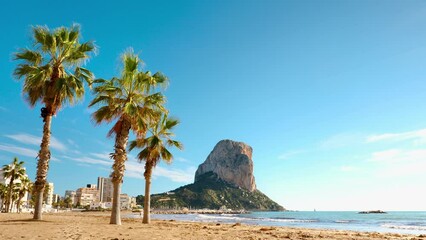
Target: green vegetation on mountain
[211, 192]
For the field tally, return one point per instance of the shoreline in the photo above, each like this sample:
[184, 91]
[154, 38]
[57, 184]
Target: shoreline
[196, 211]
[74, 225]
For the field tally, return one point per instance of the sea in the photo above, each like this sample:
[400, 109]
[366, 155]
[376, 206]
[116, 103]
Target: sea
[390, 222]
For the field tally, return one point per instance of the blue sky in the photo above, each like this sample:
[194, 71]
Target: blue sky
[330, 94]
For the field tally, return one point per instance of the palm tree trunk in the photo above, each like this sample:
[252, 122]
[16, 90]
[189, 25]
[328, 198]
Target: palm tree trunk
[18, 203]
[42, 167]
[118, 167]
[9, 200]
[147, 199]
[115, 212]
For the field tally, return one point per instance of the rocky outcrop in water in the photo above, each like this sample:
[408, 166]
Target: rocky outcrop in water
[232, 162]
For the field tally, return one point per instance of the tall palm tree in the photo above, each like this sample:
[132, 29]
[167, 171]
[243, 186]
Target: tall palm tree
[155, 148]
[53, 76]
[24, 187]
[13, 171]
[131, 102]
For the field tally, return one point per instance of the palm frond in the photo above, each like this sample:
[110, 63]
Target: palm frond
[170, 123]
[155, 146]
[166, 155]
[161, 79]
[103, 114]
[29, 56]
[100, 99]
[39, 34]
[49, 71]
[144, 155]
[85, 75]
[74, 32]
[130, 62]
[174, 143]
[87, 47]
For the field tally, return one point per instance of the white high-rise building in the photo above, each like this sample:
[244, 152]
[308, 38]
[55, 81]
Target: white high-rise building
[86, 196]
[106, 189]
[49, 197]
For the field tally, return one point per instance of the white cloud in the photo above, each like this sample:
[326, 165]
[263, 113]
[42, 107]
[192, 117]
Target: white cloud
[400, 162]
[89, 160]
[181, 159]
[72, 143]
[399, 155]
[341, 140]
[56, 144]
[418, 136]
[104, 155]
[176, 175]
[410, 169]
[289, 154]
[19, 150]
[136, 170]
[34, 140]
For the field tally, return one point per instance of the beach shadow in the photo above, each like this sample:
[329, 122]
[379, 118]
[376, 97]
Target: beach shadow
[22, 221]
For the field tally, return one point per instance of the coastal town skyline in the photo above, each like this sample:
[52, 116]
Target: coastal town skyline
[335, 118]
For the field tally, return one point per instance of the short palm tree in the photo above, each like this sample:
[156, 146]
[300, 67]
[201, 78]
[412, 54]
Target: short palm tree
[68, 202]
[3, 194]
[13, 171]
[24, 187]
[154, 148]
[15, 195]
[46, 192]
[129, 100]
[53, 76]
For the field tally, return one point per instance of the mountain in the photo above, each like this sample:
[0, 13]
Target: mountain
[232, 162]
[225, 179]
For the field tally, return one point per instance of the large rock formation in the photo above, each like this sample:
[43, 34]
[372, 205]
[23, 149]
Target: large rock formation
[232, 162]
[225, 179]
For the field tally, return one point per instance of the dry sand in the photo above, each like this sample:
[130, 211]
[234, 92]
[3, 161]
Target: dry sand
[95, 226]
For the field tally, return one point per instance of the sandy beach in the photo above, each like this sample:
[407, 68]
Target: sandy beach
[95, 226]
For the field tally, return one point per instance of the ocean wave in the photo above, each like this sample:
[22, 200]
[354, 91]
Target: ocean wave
[218, 217]
[342, 221]
[281, 219]
[246, 219]
[405, 227]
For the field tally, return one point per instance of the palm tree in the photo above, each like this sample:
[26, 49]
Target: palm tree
[129, 100]
[68, 202]
[13, 171]
[15, 195]
[53, 76]
[24, 187]
[154, 148]
[46, 192]
[3, 194]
